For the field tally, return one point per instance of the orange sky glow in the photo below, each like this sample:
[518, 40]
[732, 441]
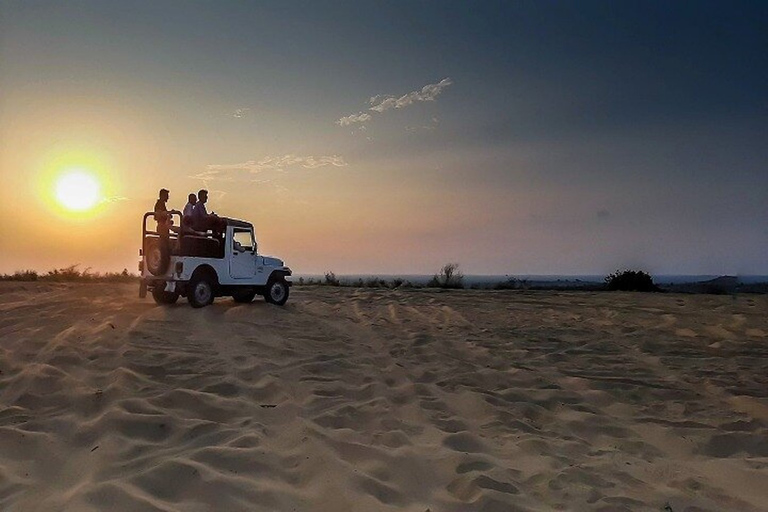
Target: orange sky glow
[505, 140]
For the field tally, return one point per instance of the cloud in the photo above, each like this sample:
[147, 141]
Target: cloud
[429, 127]
[114, 199]
[216, 195]
[383, 102]
[429, 92]
[240, 112]
[354, 118]
[229, 172]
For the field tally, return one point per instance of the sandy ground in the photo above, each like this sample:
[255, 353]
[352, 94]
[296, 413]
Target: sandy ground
[382, 400]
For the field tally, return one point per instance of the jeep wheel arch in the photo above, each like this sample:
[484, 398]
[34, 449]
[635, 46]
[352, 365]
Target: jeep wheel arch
[203, 286]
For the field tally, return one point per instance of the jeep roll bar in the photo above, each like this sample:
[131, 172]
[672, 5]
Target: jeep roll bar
[145, 231]
[176, 233]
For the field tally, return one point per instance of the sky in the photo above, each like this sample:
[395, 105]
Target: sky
[535, 137]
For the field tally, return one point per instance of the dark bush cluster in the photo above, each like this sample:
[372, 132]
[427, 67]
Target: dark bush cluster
[69, 274]
[631, 281]
[377, 282]
[512, 283]
[330, 279]
[448, 277]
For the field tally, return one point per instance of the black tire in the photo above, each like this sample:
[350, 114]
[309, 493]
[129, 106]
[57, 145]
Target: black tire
[201, 290]
[244, 296]
[163, 297]
[277, 291]
[157, 255]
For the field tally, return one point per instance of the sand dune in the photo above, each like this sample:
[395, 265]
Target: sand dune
[382, 400]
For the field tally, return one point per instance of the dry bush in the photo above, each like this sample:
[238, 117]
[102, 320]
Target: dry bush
[331, 279]
[449, 277]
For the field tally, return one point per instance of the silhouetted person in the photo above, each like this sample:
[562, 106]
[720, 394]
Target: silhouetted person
[162, 214]
[202, 220]
[164, 222]
[186, 220]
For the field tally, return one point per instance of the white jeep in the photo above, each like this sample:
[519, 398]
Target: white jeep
[202, 266]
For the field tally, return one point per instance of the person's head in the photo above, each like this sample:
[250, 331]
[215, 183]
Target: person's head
[164, 194]
[192, 199]
[202, 196]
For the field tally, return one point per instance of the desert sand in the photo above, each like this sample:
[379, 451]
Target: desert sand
[374, 400]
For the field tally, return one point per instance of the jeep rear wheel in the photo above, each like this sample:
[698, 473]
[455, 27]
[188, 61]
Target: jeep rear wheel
[277, 291]
[200, 292]
[163, 297]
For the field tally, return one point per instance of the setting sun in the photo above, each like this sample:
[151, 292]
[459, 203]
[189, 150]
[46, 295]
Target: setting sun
[78, 190]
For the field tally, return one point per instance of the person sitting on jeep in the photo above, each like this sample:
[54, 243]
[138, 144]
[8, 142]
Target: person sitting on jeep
[186, 220]
[202, 220]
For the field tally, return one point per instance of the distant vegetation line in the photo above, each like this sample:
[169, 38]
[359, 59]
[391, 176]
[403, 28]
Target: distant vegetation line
[71, 273]
[448, 277]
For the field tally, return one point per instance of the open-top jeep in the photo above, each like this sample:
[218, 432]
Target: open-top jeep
[202, 266]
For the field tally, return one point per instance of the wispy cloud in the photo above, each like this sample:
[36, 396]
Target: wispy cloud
[241, 112]
[114, 199]
[429, 127]
[384, 102]
[354, 118]
[429, 92]
[246, 170]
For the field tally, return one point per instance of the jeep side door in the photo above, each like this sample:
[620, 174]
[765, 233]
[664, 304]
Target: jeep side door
[242, 261]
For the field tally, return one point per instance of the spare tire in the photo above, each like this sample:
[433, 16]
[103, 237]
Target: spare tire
[157, 255]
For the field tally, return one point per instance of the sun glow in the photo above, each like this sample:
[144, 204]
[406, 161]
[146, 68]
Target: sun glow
[78, 190]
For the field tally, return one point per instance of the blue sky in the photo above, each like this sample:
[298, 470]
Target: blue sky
[566, 137]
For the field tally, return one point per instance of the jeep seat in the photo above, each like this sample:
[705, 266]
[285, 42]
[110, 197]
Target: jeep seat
[201, 246]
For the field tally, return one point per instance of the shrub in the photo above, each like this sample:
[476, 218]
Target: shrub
[123, 276]
[375, 282]
[25, 275]
[70, 274]
[330, 279]
[512, 283]
[631, 281]
[449, 277]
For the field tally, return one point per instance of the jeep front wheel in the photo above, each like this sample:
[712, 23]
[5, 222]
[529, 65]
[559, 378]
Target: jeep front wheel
[277, 292]
[200, 291]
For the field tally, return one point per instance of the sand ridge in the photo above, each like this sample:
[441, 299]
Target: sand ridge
[355, 399]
